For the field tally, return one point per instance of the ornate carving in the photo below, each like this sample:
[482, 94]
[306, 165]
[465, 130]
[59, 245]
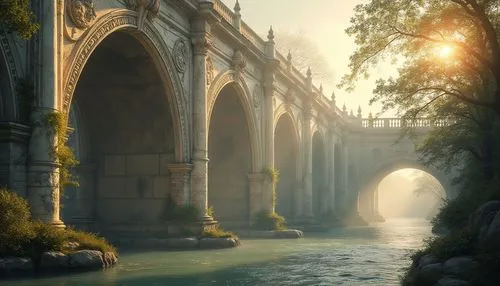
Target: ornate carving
[6, 50]
[238, 62]
[180, 55]
[201, 44]
[81, 12]
[210, 70]
[289, 97]
[146, 9]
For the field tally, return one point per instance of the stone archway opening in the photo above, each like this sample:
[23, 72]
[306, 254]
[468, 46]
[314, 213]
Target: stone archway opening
[319, 176]
[285, 160]
[230, 159]
[124, 138]
[401, 193]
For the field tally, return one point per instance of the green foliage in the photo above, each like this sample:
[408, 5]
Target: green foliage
[457, 243]
[57, 122]
[211, 211]
[180, 213]
[218, 232]
[21, 236]
[16, 15]
[273, 175]
[15, 227]
[268, 221]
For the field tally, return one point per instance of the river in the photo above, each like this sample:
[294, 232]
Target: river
[374, 255]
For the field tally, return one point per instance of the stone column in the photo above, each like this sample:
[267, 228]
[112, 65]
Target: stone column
[255, 181]
[43, 171]
[199, 178]
[179, 181]
[331, 161]
[345, 176]
[308, 192]
[269, 88]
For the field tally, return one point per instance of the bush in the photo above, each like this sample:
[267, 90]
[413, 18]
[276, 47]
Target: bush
[457, 243]
[268, 221]
[20, 236]
[180, 213]
[218, 232]
[15, 228]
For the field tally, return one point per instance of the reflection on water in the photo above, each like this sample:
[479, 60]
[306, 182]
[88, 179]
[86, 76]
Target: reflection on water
[372, 255]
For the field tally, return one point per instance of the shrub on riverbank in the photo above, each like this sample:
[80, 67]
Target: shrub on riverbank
[268, 221]
[22, 236]
[218, 232]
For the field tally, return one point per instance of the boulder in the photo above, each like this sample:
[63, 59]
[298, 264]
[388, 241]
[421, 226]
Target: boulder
[53, 259]
[426, 260]
[183, 243]
[109, 258]
[460, 266]
[85, 259]
[450, 281]
[213, 243]
[484, 214]
[431, 273]
[15, 265]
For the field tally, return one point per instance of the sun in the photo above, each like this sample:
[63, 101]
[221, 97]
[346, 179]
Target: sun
[445, 51]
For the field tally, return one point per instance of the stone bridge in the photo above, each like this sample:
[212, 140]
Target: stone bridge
[182, 100]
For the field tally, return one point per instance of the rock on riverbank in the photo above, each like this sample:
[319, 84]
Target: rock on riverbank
[57, 262]
[186, 243]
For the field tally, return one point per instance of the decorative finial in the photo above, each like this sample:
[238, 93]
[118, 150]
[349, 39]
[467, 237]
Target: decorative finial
[344, 109]
[237, 8]
[270, 34]
[351, 114]
[333, 96]
[309, 73]
[370, 116]
[289, 57]
[359, 112]
[321, 88]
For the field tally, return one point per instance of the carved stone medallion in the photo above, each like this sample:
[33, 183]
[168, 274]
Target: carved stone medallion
[82, 12]
[180, 55]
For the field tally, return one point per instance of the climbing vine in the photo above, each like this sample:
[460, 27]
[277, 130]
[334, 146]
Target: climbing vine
[274, 176]
[60, 151]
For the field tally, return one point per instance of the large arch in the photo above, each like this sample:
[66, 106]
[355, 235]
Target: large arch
[286, 152]
[231, 154]
[368, 191]
[9, 74]
[152, 41]
[130, 110]
[319, 175]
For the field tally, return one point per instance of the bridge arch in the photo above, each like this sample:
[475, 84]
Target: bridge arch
[319, 174]
[9, 74]
[129, 112]
[368, 193]
[233, 149]
[286, 160]
[150, 38]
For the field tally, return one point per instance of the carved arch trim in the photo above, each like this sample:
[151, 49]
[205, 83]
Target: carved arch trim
[231, 77]
[13, 70]
[150, 38]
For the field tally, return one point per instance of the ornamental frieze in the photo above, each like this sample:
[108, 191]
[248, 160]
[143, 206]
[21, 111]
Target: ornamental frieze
[180, 55]
[80, 16]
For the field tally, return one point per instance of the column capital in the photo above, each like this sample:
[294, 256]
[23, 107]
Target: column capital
[201, 43]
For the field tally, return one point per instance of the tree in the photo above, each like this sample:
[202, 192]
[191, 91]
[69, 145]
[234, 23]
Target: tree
[17, 16]
[426, 184]
[305, 53]
[447, 51]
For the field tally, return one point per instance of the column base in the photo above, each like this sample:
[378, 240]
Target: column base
[58, 224]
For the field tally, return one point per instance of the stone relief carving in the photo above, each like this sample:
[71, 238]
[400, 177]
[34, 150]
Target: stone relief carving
[257, 95]
[81, 15]
[180, 55]
[146, 9]
[238, 62]
[210, 70]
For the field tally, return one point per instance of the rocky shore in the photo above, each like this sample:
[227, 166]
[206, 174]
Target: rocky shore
[187, 243]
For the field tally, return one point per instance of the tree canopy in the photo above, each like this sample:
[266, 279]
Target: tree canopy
[16, 15]
[447, 51]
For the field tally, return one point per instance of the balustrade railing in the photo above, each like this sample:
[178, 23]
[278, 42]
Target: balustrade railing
[399, 123]
[224, 11]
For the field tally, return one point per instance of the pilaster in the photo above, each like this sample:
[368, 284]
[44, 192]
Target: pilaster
[255, 181]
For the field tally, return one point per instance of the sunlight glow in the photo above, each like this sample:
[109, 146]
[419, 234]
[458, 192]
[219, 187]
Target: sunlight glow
[445, 51]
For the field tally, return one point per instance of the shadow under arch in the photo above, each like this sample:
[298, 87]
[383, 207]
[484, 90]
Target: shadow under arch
[150, 38]
[233, 150]
[286, 161]
[368, 191]
[9, 76]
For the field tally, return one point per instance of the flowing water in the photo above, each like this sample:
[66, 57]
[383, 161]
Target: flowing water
[374, 255]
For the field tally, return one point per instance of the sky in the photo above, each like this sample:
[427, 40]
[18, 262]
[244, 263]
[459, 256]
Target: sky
[323, 22]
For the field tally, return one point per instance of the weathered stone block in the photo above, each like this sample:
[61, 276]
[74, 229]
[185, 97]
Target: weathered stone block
[214, 243]
[161, 186]
[53, 259]
[112, 187]
[183, 243]
[114, 165]
[15, 266]
[148, 164]
[86, 259]
[139, 187]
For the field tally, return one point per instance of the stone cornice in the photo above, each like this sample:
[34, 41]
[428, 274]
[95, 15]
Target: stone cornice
[14, 132]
